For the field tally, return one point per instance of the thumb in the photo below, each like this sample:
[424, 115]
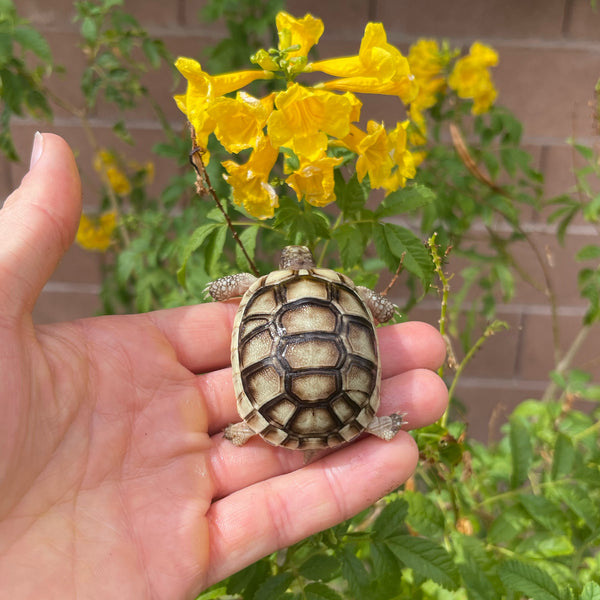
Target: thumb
[38, 223]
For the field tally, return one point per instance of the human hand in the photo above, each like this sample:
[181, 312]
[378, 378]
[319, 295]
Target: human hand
[115, 481]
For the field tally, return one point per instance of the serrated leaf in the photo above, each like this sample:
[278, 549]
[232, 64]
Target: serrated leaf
[320, 591]
[274, 587]
[88, 29]
[249, 579]
[320, 567]
[426, 558]
[350, 195]
[354, 572]
[195, 241]
[403, 244]
[478, 584]
[529, 580]
[579, 501]
[248, 239]
[424, 516]
[391, 519]
[350, 243]
[213, 593]
[521, 451]
[564, 457]
[405, 200]
[542, 510]
[589, 252]
[31, 39]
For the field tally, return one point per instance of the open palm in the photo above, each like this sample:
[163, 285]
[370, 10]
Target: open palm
[115, 481]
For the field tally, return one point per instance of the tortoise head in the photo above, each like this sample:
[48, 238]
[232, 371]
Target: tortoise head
[296, 257]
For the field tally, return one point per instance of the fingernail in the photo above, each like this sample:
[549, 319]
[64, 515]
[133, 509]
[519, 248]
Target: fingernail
[36, 150]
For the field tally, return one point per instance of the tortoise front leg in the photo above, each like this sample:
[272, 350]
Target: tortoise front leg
[386, 427]
[381, 308]
[238, 433]
[230, 286]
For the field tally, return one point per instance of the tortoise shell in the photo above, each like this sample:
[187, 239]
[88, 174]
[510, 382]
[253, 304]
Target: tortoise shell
[305, 359]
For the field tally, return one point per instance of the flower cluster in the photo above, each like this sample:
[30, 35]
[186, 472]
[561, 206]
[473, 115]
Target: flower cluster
[303, 122]
[307, 123]
[96, 233]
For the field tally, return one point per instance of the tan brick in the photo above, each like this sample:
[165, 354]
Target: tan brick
[57, 14]
[537, 352]
[582, 21]
[488, 405]
[465, 18]
[343, 19]
[547, 88]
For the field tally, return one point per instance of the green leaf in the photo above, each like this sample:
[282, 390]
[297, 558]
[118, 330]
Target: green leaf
[121, 131]
[320, 567]
[351, 196]
[426, 558]
[248, 238]
[354, 572]
[213, 593]
[88, 29]
[392, 519]
[152, 52]
[564, 457]
[405, 200]
[395, 243]
[350, 243]
[320, 591]
[214, 247]
[31, 39]
[529, 580]
[521, 450]
[195, 241]
[274, 587]
[544, 511]
[589, 252]
[424, 515]
[580, 502]
[591, 591]
[249, 579]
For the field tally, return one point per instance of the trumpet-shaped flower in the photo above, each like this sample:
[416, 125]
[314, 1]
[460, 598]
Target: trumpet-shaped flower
[203, 89]
[471, 77]
[403, 159]
[313, 181]
[96, 233]
[239, 122]
[105, 163]
[306, 116]
[250, 181]
[379, 68]
[304, 32]
[427, 63]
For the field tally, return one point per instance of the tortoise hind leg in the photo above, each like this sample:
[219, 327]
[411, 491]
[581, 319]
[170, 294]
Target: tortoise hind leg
[381, 308]
[386, 427]
[238, 433]
[230, 286]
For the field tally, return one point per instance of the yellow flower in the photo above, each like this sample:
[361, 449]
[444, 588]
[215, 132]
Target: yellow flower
[203, 90]
[313, 180]
[303, 32]
[250, 181]
[106, 164]
[379, 68]
[305, 117]
[403, 159]
[471, 77]
[96, 234]
[427, 63]
[417, 133]
[240, 121]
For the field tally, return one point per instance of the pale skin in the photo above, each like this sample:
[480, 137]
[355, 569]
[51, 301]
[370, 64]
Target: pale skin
[115, 480]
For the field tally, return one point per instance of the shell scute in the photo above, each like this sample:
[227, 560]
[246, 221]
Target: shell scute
[305, 359]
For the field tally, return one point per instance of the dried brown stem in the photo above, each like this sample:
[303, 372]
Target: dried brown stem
[203, 185]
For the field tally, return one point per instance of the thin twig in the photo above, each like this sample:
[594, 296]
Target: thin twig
[203, 184]
[467, 159]
[392, 282]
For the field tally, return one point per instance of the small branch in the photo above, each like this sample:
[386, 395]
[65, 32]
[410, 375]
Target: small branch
[203, 184]
[566, 361]
[392, 282]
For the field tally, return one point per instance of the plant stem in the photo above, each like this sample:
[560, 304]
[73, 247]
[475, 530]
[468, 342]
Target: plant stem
[566, 361]
[203, 183]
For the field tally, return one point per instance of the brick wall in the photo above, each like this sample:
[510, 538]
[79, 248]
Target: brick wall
[549, 63]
